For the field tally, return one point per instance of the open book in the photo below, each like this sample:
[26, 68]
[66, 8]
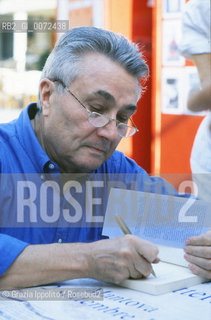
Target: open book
[166, 221]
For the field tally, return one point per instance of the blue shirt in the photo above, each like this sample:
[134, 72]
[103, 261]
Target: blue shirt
[23, 159]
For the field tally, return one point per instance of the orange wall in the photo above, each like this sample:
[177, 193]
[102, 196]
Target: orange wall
[118, 16]
[142, 33]
[113, 10]
[177, 135]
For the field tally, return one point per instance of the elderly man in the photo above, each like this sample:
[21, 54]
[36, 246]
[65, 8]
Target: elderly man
[88, 92]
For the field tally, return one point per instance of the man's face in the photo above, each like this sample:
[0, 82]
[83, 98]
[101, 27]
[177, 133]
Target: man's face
[69, 139]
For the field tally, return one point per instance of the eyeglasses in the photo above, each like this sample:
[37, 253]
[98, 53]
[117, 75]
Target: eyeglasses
[98, 120]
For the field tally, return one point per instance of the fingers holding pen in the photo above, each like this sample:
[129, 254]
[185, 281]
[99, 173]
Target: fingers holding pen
[148, 250]
[121, 258]
[146, 244]
[135, 252]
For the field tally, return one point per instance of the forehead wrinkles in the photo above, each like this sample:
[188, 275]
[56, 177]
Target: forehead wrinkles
[97, 72]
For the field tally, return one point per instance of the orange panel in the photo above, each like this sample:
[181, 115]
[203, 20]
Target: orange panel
[177, 135]
[142, 33]
[81, 17]
[118, 18]
[156, 87]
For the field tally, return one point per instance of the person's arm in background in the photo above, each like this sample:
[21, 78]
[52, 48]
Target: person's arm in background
[198, 249]
[195, 45]
[201, 99]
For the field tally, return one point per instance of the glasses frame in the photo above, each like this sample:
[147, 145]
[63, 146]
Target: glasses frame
[102, 115]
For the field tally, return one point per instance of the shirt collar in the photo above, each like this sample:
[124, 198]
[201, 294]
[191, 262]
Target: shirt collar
[28, 139]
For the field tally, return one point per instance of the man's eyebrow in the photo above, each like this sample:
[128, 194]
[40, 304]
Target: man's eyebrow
[105, 95]
[130, 107]
[110, 98]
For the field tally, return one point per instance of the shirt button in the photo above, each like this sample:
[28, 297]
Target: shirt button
[51, 166]
[60, 240]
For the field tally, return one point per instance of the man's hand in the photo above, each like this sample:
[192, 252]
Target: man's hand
[107, 260]
[198, 253]
[114, 260]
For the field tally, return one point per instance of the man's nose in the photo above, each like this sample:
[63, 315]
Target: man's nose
[109, 131]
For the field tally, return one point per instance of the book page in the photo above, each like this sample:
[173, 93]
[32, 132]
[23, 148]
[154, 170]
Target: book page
[169, 277]
[172, 255]
[162, 219]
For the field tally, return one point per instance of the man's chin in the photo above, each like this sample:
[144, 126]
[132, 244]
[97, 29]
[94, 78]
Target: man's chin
[85, 163]
[92, 161]
[89, 165]
[89, 168]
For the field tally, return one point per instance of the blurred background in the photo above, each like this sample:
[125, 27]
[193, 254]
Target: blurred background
[167, 128]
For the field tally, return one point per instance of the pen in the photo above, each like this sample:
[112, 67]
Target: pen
[126, 230]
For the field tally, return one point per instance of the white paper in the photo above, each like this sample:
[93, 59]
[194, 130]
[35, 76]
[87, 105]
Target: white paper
[172, 8]
[172, 99]
[171, 37]
[119, 303]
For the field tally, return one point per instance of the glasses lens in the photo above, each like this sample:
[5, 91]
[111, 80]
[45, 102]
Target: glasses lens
[125, 130]
[97, 120]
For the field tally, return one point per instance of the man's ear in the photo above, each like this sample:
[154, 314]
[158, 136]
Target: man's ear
[46, 89]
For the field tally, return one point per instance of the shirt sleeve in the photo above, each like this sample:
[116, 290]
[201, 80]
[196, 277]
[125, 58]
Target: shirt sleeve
[195, 28]
[10, 248]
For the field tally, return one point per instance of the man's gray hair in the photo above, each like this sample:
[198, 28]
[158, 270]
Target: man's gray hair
[63, 62]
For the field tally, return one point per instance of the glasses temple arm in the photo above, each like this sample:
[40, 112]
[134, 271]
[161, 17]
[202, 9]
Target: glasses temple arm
[134, 124]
